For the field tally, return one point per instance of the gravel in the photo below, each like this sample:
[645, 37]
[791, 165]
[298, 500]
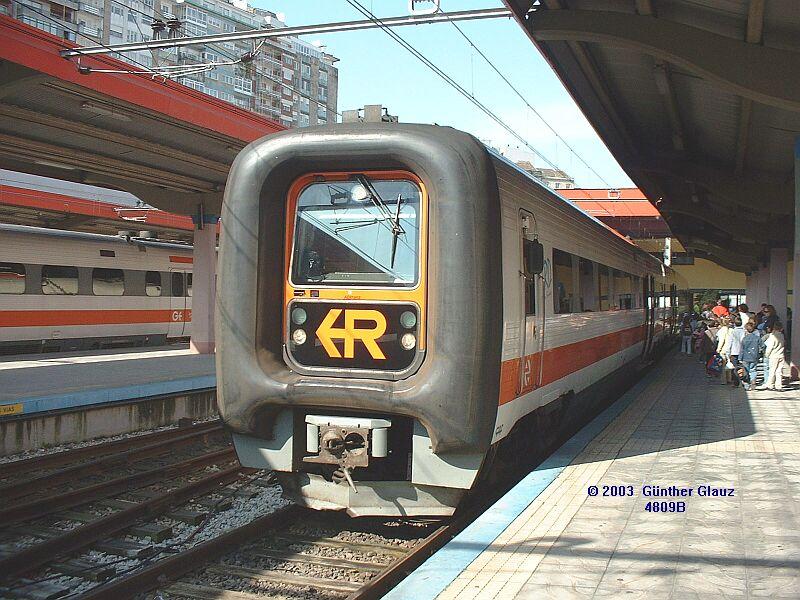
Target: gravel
[83, 444]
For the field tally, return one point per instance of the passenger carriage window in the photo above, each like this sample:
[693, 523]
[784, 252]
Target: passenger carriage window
[622, 291]
[152, 283]
[108, 282]
[588, 289]
[189, 284]
[603, 288]
[563, 289]
[529, 280]
[637, 292]
[12, 278]
[60, 280]
[177, 284]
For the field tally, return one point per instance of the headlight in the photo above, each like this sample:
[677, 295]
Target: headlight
[408, 319]
[408, 341]
[299, 337]
[299, 316]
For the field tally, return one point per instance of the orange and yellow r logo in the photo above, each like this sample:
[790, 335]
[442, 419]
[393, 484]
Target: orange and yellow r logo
[349, 334]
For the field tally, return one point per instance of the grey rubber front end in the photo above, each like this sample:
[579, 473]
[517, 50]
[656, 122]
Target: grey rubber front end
[454, 394]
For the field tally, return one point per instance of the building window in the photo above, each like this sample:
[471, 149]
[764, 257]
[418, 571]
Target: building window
[303, 120]
[323, 78]
[305, 70]
[227, 80]
[117, 10]
[210, 57]
[108, 282]
[12, 278]
[304, 105]
[152, 283]
[131, 17]
[59, 280]
[563, 288]
[323, 93]
[115, 34]
[243, 86]
[322, 113]
[132, 36]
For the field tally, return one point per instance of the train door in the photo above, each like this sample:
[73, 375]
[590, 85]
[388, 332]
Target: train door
[533, 306]
[177, 304]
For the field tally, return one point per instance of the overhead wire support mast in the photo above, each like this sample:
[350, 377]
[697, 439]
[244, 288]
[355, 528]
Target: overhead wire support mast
[466, 15]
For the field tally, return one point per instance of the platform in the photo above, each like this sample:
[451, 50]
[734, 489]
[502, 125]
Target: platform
[45, 382]
[548, 538]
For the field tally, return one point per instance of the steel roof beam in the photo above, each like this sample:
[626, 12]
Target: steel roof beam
[767, 75]
[755, 31]
[746, 190]
[24, 115]
[743, 231]
[80, 162]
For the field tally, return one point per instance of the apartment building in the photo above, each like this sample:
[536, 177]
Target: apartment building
[290, 80]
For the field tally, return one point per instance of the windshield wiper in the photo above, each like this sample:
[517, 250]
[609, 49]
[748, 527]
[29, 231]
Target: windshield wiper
[396, 229]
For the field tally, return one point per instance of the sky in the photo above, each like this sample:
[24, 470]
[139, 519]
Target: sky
[374, 69]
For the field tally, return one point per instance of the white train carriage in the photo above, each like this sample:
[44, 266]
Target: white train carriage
[398, 306]
[62, 290]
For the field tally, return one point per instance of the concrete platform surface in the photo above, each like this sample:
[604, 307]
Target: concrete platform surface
[42, 382]
[550, 538]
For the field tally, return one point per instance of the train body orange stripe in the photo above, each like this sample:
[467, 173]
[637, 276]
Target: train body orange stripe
[565, 360]
[64, 318]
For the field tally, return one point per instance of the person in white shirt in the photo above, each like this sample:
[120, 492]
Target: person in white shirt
[723, 348]
[744, 312]
[774, 347]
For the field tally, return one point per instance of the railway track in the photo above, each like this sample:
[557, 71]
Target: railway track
[291, 553]
[121, 503]
[104, 529]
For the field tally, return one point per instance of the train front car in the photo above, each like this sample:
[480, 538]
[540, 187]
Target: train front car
[359, 324]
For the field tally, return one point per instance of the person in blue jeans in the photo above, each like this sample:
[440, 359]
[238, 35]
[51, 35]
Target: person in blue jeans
[748, 355]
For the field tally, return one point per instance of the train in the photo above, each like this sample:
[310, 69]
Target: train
[398, 303]
[65, 291]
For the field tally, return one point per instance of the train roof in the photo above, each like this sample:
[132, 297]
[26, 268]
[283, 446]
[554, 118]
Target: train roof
[91, 237]
[556, 196]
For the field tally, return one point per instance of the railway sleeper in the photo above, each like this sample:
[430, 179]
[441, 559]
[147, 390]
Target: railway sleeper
[284, 577]
[202, 592]
[37, 590]
[84, 569]
[323, 561]
[325, 542]
[125, 549]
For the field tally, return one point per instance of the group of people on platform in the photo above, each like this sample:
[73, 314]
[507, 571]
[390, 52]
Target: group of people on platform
[732, 342]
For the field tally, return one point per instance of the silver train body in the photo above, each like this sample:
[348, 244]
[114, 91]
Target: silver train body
[62, 290]
[395, 303]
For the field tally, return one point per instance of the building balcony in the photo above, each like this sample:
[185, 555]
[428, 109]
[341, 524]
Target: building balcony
[91, 31]
[91, 9]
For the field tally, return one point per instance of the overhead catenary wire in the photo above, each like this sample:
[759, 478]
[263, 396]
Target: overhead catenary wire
[449, 80]
[525, 101]
[226, 53]
[147, 70]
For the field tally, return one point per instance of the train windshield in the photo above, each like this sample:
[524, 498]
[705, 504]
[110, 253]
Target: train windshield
[362, 231]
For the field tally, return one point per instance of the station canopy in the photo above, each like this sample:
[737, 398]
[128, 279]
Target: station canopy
[167, 144]
[698, 100]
